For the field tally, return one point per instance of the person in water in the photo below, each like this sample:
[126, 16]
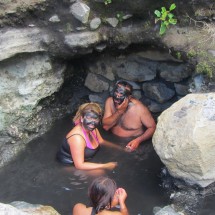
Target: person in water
[83, 141]
[104, 195]
[127, 117]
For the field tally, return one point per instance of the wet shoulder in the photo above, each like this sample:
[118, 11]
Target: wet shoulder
[76, 130]
[80, 209]
[137, 106]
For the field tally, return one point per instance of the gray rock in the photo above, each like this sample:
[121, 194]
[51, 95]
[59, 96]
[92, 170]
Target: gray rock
[95, 23]
[112, 21]
[174, 73]
[54, 18]
[158, 92]
[16, 41]
[181, 89]
[133, 70]
[82, 40]
[95, 84]
[167, 210]
[80, 11]
[185, 139]
[103, 68]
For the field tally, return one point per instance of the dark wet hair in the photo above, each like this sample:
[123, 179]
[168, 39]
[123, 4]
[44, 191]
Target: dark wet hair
[128, 87]
[101, 193]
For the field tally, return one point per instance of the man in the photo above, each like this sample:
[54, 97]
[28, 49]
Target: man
[127, 116]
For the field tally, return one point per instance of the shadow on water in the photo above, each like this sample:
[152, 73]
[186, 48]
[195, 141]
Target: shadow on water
[36, 177]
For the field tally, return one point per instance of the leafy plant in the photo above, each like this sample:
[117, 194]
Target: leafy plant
[166, 18]
[107, 2]
[119, 16]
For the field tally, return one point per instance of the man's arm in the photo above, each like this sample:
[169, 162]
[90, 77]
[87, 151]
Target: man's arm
[147, 121]
[111, 118]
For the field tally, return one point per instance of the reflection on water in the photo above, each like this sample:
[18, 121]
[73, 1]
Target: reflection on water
[36, 177]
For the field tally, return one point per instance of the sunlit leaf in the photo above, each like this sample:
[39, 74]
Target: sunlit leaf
[157, 13]
[172, 7]
[163, 10]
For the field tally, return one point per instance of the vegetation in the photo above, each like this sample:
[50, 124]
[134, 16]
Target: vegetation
[205, 62]
[119, 16]
[107, 2]
[166, 17]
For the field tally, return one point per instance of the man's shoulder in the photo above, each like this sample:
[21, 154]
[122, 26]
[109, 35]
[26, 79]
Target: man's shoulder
[109, 99]
[138, 104]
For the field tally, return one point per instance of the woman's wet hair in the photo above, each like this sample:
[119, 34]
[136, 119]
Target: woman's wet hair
[85, 108]
[101, 193]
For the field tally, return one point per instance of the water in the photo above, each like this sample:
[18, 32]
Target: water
[37, 178]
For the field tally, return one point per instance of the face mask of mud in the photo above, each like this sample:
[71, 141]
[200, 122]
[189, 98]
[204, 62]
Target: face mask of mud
[91, 121]
[119, 95]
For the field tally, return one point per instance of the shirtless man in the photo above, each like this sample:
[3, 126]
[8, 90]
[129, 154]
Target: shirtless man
[127, 116]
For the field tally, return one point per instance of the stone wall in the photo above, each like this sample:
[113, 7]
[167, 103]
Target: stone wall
[157, 77]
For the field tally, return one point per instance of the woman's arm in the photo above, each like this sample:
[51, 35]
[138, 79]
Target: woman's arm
[122, 195]
[77, 146]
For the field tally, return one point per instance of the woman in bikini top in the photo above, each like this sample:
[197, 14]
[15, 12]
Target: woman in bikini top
[83, 141]
[104, 196]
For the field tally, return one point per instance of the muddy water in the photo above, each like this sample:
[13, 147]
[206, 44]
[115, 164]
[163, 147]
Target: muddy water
[36, 177]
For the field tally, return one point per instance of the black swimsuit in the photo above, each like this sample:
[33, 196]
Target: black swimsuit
[93, 211]
[64, 154]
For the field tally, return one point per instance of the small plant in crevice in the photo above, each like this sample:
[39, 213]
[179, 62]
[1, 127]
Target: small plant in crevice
[119, 16]
[166, 17]
[107, 2]
[205, 62]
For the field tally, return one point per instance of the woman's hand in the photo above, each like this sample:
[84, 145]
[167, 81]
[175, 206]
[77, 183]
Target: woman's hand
[122, 195]
[111, 165]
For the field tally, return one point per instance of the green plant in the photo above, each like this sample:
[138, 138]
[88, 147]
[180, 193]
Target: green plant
[178, 55]
[205, 68]
[119, 16]
[107, 2]
[166, 18]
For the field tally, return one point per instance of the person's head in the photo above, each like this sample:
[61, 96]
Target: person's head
[101, 193]
[89, 115]
[121, 91]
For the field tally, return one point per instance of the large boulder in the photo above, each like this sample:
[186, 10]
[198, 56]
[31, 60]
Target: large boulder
[185, 139]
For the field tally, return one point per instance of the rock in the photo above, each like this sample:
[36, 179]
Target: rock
[54, 18]
[102, 67]
[25, 80]
[181, 89]
[112, 21]
[95, 23]
[127, 16]
[82, 40]
[134, 70]
[185, 139]
[167, 210]
[158, 91]
[137, 94]
[34, 209]
[80, 11]
[95, 84]
[16, 41]
[174, 73]
[100, 47]
[8, 209]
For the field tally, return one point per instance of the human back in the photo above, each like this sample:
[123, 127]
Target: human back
[103, 195]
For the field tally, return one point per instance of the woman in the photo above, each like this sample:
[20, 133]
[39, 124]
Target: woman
[83, 141]
[104, 195]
